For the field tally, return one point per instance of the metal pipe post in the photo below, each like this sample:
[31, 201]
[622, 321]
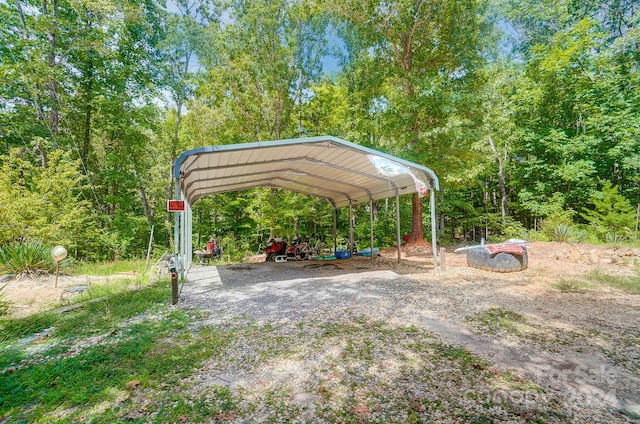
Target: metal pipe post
[371, 224]
[434, 247]
[398, 224]
[351, 240]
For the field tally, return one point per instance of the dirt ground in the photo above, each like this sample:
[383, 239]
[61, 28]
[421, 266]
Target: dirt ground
[582, 346]
[31, 295]
[549, 262]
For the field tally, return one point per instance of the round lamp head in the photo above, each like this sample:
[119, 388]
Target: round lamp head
[58, 253]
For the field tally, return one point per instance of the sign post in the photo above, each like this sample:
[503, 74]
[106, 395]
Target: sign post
[174, 206]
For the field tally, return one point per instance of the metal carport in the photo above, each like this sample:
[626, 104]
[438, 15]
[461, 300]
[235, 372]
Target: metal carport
[343, 173]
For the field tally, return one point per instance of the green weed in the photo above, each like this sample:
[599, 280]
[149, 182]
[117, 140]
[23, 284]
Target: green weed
[562, 232]
[117, 306]
[497, 319]
[627, 284]
[14, 329]
[4, 303]
[136, 266]
[572, 286]
[145, 352]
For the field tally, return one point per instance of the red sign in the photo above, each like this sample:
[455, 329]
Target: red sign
[175, 205]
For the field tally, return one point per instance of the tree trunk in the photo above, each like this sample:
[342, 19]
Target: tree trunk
[54, 115]
[143, 197]
[299, 102]
[504, 205]
[86, 142]
[113, 190]
[38, 148]
[6, 140]
[145, 205]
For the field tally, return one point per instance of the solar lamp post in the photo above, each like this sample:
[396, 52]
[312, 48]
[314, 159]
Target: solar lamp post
[58, 254]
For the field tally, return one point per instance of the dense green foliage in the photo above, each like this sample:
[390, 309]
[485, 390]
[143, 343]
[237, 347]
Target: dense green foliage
[539, 131]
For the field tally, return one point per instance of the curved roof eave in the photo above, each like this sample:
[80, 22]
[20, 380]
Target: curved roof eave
[348, 161]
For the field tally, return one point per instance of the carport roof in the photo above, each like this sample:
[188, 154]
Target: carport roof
[325, 167]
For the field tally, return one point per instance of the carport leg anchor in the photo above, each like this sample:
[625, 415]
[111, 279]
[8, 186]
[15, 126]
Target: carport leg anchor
[174, 289]
[173, 265]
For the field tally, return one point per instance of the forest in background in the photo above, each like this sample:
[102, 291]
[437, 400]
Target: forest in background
[528, 111]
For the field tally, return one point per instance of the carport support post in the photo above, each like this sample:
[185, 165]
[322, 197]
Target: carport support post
[398, 223]
[351, 240]
[432, 206]
[335, 229]
[176, 223]
[371, 224]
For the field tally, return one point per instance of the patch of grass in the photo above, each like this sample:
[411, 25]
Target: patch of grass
[4, 303]
[97, 374]
[155, 348]
[11, 355]
[572, 286]
[218, 404]
[462, 356]
[118, 306]
[406, 375]
[514, 381]
[135, 359]
[495, 320]
[113, 287]
[110, 268]
[627, 284]
[14, 329]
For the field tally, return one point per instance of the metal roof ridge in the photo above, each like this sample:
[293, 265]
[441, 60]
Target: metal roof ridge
[303, 140]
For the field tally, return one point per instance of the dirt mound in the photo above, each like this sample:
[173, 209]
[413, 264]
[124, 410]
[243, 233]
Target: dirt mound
[585, 254]
[419, 248]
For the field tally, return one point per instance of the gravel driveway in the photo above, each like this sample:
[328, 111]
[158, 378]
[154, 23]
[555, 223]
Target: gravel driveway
[363, 341]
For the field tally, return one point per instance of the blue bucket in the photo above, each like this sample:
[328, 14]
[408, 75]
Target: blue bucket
[343, 254]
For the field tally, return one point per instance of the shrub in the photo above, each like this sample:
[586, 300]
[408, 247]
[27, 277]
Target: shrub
[514, 229]
[234, 249]
[26, 259]
[580, 235]
[558, 226]
[45, 204]
[612, 215]
[615, 238]
[561, 232]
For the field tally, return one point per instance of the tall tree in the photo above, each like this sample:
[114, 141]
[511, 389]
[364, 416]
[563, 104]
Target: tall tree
[267, 56]
[183, 39]
[500, 132]
[80, 77]
[37, 35]
[424, 53]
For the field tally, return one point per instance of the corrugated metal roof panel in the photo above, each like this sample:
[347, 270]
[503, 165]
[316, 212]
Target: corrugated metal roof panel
[325, 167]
